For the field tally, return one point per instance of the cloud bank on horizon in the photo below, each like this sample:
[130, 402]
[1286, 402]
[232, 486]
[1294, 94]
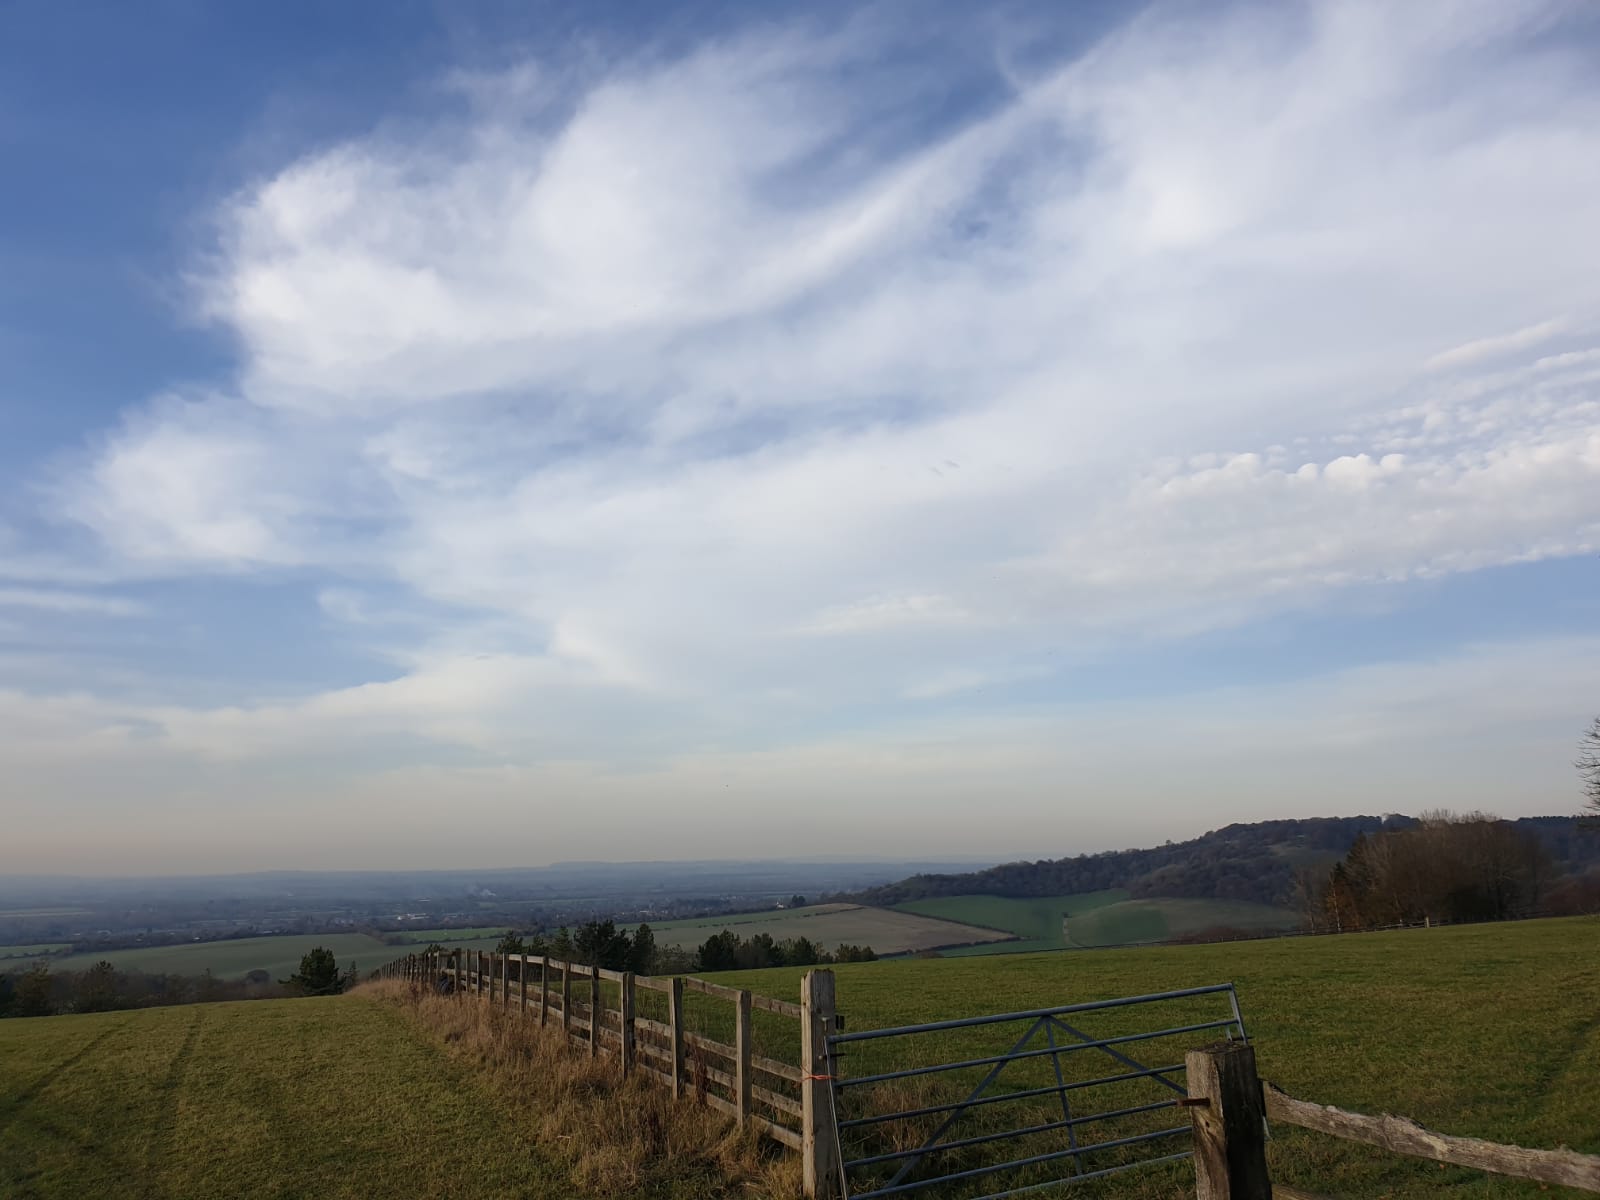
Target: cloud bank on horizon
[670, 453]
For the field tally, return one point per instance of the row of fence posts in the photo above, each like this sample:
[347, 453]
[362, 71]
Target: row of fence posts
[1226, 1100]
[816, 1140]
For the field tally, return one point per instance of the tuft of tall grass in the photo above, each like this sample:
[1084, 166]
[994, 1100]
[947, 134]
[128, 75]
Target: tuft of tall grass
[613, 1136]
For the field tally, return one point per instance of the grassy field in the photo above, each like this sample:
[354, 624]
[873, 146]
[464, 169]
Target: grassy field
[886, 930]
[324, 1097]
[1488, 1031]
[279, 956]
[1105, 918]
[451, 937]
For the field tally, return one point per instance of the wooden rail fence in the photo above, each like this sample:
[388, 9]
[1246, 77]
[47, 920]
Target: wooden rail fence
[605, 1013]
[792, 1102]
[1229, 1106]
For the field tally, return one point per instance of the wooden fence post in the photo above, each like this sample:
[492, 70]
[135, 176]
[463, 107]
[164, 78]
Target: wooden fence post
[675, 1017]
[625, 1019]
[1229, 1115]
[544, 989]
[818, 1137]
[741, 1058]
[566, 999]
[595, 1012]
[522, 984]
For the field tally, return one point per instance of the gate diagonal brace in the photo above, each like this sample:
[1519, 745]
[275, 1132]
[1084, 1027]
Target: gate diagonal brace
[1066, 1107]
[994, 1073]
[1119, 1056]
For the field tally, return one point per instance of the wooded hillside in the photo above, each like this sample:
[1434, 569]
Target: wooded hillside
[1255, 861]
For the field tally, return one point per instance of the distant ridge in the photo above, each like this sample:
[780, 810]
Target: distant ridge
[1255, 861]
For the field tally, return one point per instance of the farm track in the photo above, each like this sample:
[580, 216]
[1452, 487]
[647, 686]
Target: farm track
[163, 1138]
[15, 1105]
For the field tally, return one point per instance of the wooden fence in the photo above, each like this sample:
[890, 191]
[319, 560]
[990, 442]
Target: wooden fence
[1229, 1106]
[662, 1030]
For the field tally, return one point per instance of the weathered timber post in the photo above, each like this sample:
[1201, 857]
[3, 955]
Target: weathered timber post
[595, 1012]
[675, 1018]
[741, 1056]
[522, 984]
[566, 1000]
[625, 1018]
[544, 989]
[1229, 1115]
[818, 1137]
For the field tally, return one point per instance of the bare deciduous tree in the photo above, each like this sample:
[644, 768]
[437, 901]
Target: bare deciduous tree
[1588, 764]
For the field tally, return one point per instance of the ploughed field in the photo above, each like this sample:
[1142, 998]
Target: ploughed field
[1490, 1031]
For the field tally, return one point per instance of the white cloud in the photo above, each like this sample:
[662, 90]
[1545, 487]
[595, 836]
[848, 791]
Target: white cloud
[1488, 727]
[1495, 347]
[686, 405]
[52, 600]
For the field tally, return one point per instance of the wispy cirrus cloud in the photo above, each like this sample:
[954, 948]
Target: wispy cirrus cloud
[713, 391]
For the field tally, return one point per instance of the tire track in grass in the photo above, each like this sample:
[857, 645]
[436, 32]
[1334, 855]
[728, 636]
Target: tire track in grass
[164, 1133]
[22, 1099]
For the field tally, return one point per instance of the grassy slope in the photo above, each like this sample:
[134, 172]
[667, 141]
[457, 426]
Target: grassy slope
[1489, 1031]
[233, 958]
[1160, 919]
[1105, 918]
[1034, 919]
[334, 1097]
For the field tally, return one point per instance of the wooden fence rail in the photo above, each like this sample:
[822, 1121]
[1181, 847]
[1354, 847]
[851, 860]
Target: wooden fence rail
[1227, 1104]
[777, 1099]
[1404, 1136]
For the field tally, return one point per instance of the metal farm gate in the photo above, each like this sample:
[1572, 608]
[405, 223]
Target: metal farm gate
[1027, 1104]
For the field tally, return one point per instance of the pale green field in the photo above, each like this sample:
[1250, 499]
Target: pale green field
[279, 955]
[886, 930]
[450, 937]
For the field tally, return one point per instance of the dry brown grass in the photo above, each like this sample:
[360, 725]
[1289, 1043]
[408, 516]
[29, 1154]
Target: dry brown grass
[615, 1137]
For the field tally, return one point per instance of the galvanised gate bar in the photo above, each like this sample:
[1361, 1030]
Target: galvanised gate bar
[1029, 1113]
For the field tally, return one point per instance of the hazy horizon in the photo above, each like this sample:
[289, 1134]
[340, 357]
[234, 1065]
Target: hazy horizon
[688, 431]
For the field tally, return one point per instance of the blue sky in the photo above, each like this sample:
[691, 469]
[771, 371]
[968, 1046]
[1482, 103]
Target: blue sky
[637, 431]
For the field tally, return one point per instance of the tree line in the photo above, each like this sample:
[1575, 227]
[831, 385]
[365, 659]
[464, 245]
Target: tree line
[1255, 861]
[602, 944]
[38, 991]
[1448, 867]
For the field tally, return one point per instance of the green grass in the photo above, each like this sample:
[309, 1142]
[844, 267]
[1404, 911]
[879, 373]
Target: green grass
[1034, 919]
[450, 937]
[1488, 1031]
[321, 1097]
[1105, 918]
[886, 930]
[1159, 920]
[279, 956]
